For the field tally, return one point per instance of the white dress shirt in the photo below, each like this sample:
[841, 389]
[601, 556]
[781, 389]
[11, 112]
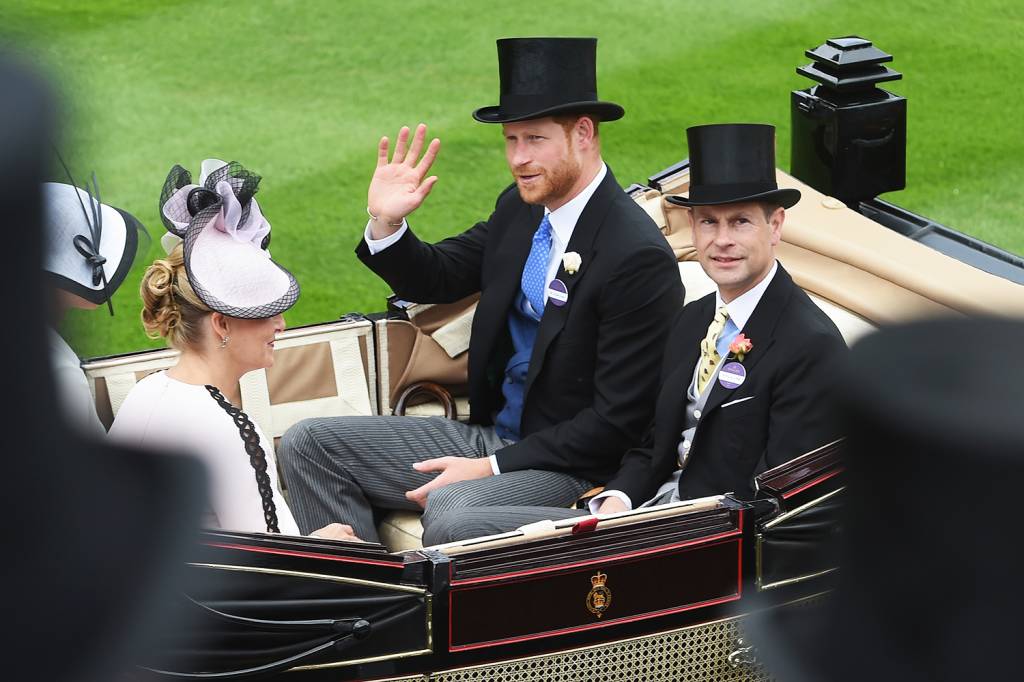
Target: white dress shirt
[563, 221]
[740, 309]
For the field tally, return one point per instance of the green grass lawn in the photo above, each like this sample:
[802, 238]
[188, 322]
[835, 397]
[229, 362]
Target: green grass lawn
[300, 92]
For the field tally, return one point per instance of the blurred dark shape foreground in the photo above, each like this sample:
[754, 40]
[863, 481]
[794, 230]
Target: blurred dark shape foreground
[99, 533]
[931, 586]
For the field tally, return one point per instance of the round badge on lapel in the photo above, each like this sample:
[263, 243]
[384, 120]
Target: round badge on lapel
[732, 375]
[558, 293]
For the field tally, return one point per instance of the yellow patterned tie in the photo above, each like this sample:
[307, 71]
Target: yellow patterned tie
[709, 356]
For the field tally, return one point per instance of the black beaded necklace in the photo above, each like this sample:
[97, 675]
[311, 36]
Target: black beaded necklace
[257, 458]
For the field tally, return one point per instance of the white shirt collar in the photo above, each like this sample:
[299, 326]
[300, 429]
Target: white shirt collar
[564, 218]
[742, 307]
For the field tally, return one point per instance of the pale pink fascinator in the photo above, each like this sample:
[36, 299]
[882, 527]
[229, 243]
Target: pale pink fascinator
[225, 239]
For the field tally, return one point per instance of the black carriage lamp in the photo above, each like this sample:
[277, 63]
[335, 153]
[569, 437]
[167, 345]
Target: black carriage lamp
[849, 137]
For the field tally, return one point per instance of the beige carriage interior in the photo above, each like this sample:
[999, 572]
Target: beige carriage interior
[860, 273]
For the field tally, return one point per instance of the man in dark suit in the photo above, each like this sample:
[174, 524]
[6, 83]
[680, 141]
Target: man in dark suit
[746, 371]
[577, 288]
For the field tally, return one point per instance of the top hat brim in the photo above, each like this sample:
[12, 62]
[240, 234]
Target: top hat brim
[784, 197]
[605, 111]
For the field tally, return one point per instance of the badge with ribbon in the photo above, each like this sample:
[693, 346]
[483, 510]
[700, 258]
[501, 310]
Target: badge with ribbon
[558, 293]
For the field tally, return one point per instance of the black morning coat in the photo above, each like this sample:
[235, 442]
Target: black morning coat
[793, 365]
[593, 374]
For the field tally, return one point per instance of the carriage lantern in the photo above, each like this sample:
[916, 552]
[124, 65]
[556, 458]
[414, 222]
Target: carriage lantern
[849, 136]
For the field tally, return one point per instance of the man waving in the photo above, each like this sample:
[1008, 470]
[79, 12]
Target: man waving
[577, 288]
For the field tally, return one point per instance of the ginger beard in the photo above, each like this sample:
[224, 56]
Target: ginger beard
[540, 185]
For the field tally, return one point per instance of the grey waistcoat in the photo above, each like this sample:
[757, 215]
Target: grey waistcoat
[669, 490]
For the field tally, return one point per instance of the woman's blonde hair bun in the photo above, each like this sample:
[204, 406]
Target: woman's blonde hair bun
[170, 308]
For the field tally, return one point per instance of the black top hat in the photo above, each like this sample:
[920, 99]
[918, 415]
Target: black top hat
[732, 163]
[547, 76]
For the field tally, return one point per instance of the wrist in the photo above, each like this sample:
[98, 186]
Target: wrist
[383, 220]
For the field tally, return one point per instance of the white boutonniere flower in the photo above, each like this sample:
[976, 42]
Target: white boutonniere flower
[571, 261]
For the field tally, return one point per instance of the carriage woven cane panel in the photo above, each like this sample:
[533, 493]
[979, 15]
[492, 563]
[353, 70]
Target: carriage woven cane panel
[695, 654]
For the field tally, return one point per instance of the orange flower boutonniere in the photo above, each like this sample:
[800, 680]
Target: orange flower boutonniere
[740, 346]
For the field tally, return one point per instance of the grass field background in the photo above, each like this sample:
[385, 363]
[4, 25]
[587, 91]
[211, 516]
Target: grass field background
[300, 92]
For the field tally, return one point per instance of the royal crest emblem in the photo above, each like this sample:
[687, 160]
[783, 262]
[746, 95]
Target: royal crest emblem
[600, 597]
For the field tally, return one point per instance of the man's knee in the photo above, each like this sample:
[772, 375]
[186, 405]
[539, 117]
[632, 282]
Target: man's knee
[441, 503]
[307, 438]
[298, 442]
[447, 526]
[454, 496]
[290, 439]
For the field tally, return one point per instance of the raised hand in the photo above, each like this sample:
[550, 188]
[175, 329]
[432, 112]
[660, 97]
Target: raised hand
[398, 186]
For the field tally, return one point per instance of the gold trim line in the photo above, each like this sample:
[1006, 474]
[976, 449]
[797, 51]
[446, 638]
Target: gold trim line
[316, 576]
[799, 578]
[802, 508]
[360, 661]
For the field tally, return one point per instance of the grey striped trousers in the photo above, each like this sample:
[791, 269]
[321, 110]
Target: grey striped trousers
[340, 469]
[466, 522]
[460, 524]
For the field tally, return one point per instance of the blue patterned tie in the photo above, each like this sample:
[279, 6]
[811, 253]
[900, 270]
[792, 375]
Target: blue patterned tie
[535, 271]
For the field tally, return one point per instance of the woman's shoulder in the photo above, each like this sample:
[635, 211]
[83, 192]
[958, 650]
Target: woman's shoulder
[158, 404]
[152, 391]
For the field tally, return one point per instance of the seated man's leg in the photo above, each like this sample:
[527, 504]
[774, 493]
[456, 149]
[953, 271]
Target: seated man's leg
[336, 469]
[473, 522]
[529, 488]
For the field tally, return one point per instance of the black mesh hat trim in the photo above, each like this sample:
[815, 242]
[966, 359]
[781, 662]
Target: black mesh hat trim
[200, 222]
[244, 185]
[177, 178]
[200, 208]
